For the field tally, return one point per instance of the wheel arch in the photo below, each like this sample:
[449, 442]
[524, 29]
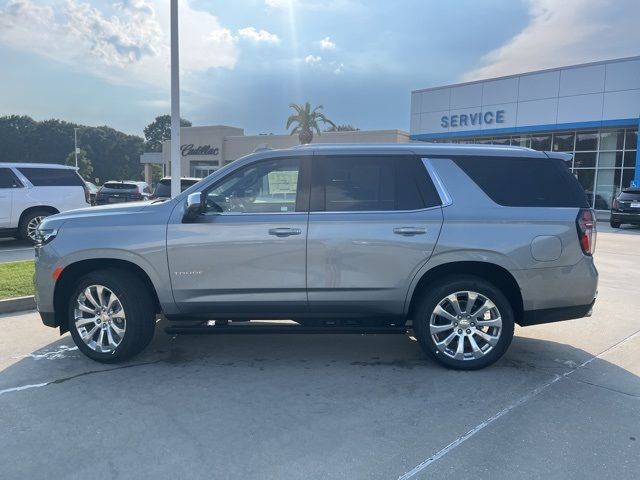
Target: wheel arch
[71, 273]
[48, 208]
[491, 272]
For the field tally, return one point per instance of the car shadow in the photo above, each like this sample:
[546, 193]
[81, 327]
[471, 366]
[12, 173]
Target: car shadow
[273, 354]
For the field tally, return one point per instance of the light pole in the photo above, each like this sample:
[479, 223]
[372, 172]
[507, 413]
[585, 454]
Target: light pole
[175, 103]
[75, 141]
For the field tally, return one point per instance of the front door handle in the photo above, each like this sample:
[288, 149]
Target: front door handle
[284, 231]
[409, 231]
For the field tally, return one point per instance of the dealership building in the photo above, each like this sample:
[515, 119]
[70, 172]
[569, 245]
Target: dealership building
[589, 110]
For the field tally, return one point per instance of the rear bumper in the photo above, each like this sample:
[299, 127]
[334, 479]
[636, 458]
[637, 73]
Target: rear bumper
[625, 217]
[550, 315]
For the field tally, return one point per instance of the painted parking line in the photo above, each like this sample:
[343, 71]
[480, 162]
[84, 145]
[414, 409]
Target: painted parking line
[26, 249]
[534, 393]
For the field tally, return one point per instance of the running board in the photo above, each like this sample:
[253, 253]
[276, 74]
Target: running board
[279, 329]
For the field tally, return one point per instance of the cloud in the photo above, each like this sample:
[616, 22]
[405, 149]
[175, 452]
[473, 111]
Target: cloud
[339, 69]
[124, 42]
[327, 44]
[566, 33]
[312, 59]
[279, 3]
[258, 36]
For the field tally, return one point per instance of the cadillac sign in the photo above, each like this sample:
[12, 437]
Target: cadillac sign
[190, 149]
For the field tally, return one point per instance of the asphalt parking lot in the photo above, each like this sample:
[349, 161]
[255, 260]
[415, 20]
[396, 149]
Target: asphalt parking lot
[12, 250]
[564, 402]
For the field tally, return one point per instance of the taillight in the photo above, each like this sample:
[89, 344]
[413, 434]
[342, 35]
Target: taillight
[614, 204]
[586, 224]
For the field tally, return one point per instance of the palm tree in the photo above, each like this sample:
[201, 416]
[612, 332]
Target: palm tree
[306, 121]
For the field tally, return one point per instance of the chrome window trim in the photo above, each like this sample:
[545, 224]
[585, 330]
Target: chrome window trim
[445, 198]
[378, 212]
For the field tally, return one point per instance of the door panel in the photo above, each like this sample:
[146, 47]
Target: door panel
[8, 183]
[246, 254]
[358, 265]
[374, 222]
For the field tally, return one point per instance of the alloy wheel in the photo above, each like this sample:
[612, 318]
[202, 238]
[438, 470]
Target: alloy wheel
[33, 225]
[100, 318]
[465, 325]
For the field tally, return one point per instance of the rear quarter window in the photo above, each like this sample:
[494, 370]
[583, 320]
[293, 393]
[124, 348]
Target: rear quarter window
[51, 177]
[525, 182]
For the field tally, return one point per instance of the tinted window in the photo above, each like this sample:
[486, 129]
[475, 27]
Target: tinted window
[8, 179]
[163, 188]
[52, 177]
[357, 183]
[371, 183]
[525, 182]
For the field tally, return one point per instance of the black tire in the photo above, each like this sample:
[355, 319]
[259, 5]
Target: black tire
[23, 227]
[437, 292]
[137, 303]
[614, 224]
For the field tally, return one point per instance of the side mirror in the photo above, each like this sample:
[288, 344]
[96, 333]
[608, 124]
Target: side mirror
[194, 206]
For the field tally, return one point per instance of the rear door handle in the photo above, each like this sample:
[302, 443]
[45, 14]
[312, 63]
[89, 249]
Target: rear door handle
[284, 231]
[409, 231]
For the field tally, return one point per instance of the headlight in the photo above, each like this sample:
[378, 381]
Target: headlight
[45, 235]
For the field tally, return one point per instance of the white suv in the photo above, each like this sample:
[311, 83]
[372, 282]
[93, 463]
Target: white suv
[30, 192]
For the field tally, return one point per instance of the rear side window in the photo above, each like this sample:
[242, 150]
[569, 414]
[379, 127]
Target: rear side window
[120, 186]
[525, 182]
[371, 183]
[52, 177]
[8, 179]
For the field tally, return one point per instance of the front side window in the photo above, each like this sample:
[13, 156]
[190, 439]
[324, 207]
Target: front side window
[8, 179]
[266, 187]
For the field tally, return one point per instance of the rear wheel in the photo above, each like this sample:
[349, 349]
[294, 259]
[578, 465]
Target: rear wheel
[614, 224]
[111, 315]
[29, 224]
[464, 323]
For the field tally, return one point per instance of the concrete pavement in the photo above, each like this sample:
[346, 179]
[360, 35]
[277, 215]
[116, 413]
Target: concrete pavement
[564, 402]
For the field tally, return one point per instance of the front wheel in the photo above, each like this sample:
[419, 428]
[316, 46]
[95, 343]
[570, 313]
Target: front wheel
[464, 323]
[614, 224]
[111, 315]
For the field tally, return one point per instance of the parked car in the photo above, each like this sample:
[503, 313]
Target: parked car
[163, 188]
[30, 192]
[456, 242]
[123, 191]
[93, 191]
[625, 208]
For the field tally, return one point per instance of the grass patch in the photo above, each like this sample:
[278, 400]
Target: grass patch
[16, 279]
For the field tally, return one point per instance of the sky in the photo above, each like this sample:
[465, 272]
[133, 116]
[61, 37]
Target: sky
[243, 62]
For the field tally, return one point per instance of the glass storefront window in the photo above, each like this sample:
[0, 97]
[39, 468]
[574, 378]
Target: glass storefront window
[563, 142]
[541, 142]
[609, 159]
[627, 176]
[587, 141]
[611, 140]
[483, 141]
[608, 184]
[587, 179]
[630, 159]
[501, 141]
[632, 139]
[584, 160]
[521, 141]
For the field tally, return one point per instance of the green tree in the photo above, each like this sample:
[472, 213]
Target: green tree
[158, 131]
[85, 169]
[306, 121]
[342, 128]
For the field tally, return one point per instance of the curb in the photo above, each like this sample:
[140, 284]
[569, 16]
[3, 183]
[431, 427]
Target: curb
[18, 304]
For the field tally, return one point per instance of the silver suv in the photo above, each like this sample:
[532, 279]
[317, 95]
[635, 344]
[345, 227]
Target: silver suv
[457, 243]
